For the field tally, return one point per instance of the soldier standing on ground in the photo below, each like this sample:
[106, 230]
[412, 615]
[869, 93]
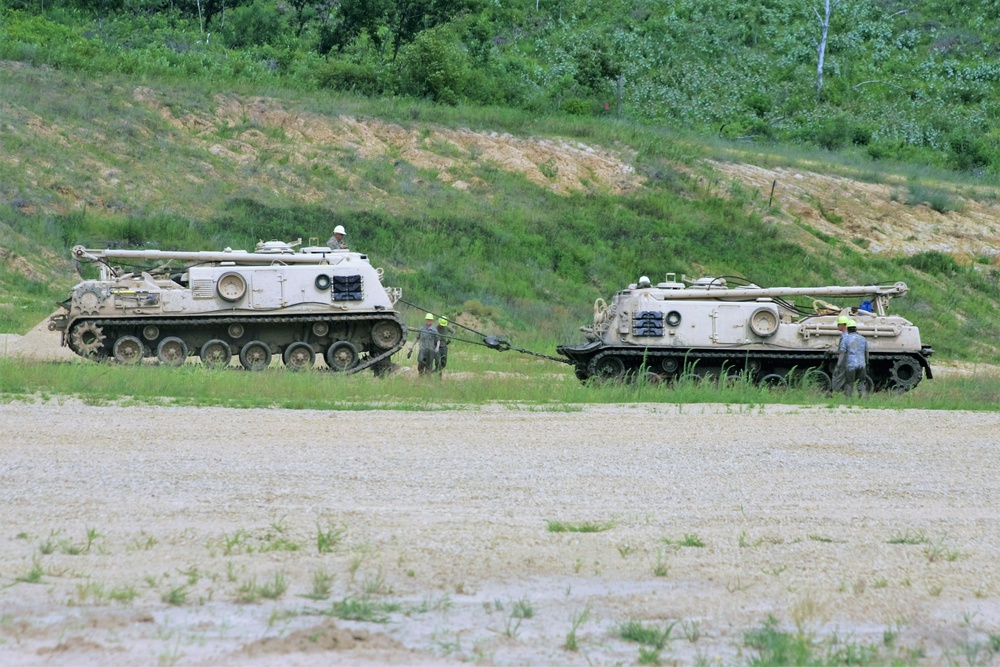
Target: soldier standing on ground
[429, 340]
[445, 332]
[838, 370]
[336, 242]
[853, 354]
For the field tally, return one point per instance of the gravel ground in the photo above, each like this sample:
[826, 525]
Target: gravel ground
[194, 512]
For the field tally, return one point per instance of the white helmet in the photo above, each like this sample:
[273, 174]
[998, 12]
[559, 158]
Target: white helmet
[339, 229]
[644, 281]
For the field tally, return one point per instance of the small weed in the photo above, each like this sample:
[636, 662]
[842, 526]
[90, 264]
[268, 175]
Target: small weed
[192, 574]
[909, 538]
[322, 585]
[124, 594]
[275, 589]
[745, 541]
[635, 631]
[143, 542]
[576, 620]
[34, 575]
[624, 549]
[937, 551]
[235, 543]
[586, 527]
[775, 571]
[176, 596]
[820, 538]
[22, 536]
[648, 656]
[660, 566]
[521, 610]
[327, 539]
[691, 630]
[935, 590]
[362, 609]
[90, 590]
[880, 583]
[691, 540]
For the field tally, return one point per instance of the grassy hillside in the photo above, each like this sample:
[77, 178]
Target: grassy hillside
[520, 230]
[916, 82]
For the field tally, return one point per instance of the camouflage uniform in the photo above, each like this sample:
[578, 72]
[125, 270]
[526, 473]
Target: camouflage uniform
[334, 244]
[446, 332]
[853, 359]
[427, 357]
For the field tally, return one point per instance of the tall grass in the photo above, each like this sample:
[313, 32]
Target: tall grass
[472, 379]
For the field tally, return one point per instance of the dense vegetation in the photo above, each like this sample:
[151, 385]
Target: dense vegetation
[917, 82]
[520, 258]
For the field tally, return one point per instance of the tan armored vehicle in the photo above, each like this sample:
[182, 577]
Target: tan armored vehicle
[216, 305]
[707, 328]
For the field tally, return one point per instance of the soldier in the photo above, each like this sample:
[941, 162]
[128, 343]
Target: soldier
[430, 341]
[446, 332]
[643, 282]
[853, 357]
[336, 242]
[838, 370]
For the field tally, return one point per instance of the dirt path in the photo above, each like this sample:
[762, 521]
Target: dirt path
[195, 513]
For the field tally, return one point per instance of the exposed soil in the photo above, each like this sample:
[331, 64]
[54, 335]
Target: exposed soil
[864, 525]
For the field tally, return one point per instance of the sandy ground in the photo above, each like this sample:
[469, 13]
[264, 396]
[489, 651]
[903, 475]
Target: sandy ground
[139, 535]
[443, 521]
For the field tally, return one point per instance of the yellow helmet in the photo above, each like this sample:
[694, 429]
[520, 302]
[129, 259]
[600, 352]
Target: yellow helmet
[851, 323]
[443, 321]
[428, 316]
[843, 319]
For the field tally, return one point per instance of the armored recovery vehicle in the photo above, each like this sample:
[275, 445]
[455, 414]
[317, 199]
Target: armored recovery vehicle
[216, 305]
[706, 328]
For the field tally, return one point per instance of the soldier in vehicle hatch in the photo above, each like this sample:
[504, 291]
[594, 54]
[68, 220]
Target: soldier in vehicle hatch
[430, 346]
[336, 242]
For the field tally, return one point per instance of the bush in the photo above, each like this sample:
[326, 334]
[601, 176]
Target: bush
[342, 75]
[934, 262]
[435, 65]
[252, 25]
[967, 153]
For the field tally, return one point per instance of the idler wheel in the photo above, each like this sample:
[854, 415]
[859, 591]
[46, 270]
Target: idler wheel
[386, 334]
[905, 373]
[609, 368]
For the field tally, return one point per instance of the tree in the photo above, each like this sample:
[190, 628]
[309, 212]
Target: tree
[824, 24]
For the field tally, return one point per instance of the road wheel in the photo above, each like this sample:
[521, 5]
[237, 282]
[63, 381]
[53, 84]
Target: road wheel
[128, 350]
[342, 356]
[299, 356]
[255, 356]
[172, 351]
[216, 353]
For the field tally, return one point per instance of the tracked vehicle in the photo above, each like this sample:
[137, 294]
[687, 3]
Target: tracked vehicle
[706, 328]
[273, 302]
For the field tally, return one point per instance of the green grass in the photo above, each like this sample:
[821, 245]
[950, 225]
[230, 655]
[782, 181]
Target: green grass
[771, 646]
[649, 635]
[585, 527]
[517, 381]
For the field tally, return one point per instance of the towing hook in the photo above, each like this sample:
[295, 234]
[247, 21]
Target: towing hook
[495, 343]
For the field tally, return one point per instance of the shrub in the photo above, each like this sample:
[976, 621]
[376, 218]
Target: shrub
[252, 25]
[933, 261]
[435, 65]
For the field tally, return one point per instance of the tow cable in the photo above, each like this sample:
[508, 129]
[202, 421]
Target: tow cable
[497, 343]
